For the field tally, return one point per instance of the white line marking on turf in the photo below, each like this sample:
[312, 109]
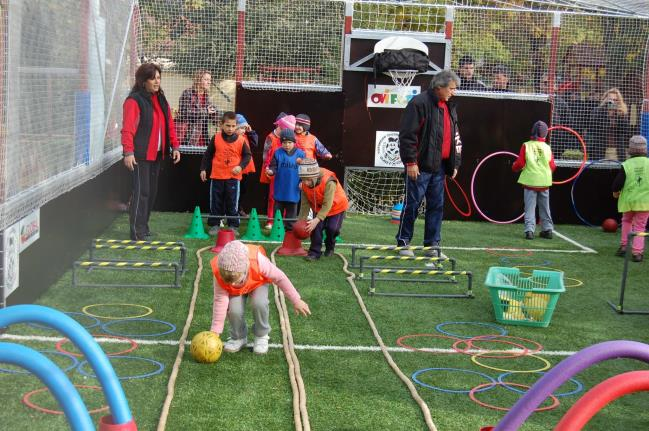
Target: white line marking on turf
[279, 346]
[572, 241]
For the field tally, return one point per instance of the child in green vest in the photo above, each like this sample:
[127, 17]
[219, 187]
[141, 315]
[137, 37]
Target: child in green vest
[631, 187]
[536, 163]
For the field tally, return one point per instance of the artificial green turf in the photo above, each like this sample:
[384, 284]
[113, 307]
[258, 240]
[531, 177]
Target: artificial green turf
[352, 390]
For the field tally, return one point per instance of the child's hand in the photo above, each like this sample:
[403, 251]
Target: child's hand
[203, 176]
[328, 156]
[236, 170]
[616, 195]
[302, 308]
[269, 172]
[311, 224]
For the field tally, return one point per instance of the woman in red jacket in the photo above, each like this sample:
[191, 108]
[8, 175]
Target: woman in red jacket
[147, 133]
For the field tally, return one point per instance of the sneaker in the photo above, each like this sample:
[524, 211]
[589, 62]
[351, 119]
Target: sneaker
[260, 347]
[233, 346]
[407, 253]
[436, 253]
[529, 235]
[242, 213]
[235, 231]
[213, 230]
[311, 257]
[328, 253]
[547, 234]
[637, 257]
[268, 226]
[621, 251]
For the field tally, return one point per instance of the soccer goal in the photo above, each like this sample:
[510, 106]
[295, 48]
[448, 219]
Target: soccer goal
[373, 190]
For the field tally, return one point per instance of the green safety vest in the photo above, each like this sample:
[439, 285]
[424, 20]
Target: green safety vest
[537, 172]
[635, 193]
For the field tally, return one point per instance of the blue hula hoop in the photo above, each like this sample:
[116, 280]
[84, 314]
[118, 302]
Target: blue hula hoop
[506, 260]
[69, 313]
[161, 367]
[572, 189]
[74, 364]
[105, 326]
[578, 385]
[451, 391]
[498, 328]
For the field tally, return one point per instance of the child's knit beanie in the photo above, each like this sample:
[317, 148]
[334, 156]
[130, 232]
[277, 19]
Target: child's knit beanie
[304, 121]
[234, 257]
[308, 168]
[539, 130]
[287, 122]
[287, 135]
[241, 120]
[637, 146]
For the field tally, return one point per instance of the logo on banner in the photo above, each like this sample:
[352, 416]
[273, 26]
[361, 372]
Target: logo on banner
[390, 96]
[30, 229]
[386, 153]
[10, 251]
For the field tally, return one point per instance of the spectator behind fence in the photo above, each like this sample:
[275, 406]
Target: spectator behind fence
[466, 71]
[500, 79]
[608, 129]
[148, 131]
[195, 112]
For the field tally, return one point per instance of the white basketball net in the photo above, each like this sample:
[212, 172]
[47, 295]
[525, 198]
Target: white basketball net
[402, 78]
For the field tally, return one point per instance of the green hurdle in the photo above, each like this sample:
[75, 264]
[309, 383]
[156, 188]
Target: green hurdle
[358, 248]
[619, 307]
[125, 266]
[376, 272]
[116, 244]
[436, 260]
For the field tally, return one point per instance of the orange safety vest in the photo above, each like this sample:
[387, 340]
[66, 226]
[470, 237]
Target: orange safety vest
[226, 157]
[315, 195]
[251, 166]
[275, 144]
[306, 143]
[255, 277]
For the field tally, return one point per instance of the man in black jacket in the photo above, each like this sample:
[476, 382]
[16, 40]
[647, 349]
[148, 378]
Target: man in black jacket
[430, 148]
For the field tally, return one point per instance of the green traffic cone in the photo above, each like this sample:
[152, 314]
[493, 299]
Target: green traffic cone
[277, 232]
[339, 240]
[196, 230]
[253, 232]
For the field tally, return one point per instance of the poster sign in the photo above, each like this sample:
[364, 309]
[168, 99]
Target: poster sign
[386, 152]
[10, 253]
[390, 96]
[30, 229]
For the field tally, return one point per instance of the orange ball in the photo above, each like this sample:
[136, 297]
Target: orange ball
[609, 225]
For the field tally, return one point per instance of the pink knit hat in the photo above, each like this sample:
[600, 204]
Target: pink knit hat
[234, 257]
[287, 122]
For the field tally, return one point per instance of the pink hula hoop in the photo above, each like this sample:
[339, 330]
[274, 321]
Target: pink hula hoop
[583, 146]
[475, 204]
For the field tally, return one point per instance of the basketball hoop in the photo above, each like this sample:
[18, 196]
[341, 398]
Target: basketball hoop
[402, 77]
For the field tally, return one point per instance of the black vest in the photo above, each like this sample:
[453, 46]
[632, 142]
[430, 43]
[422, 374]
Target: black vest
[143, 133]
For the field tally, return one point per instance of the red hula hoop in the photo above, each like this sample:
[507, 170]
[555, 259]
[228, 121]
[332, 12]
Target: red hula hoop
[416, 349]
[496, 252]
[537, 349]
[118, 337]
[554, 405]
[450, 198]
[26, 400]
[583, 146]
[487, 354]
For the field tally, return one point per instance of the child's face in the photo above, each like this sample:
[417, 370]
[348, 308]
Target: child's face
[233, 278]
[309, 182]
[229, 126]
[299, 129]
[288, 145]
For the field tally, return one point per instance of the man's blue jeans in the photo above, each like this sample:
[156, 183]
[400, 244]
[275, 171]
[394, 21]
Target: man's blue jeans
[430, 186]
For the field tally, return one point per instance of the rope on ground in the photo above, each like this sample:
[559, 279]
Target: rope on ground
[171, 385]
[413, 391]
[300, 413]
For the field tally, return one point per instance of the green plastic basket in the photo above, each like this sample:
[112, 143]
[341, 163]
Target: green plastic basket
[527, 301]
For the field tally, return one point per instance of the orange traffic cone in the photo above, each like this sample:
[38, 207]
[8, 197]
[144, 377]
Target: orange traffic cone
[106, 423]
[291, 246]
[222, 238]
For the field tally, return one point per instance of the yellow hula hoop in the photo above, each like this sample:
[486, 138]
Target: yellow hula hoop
[545, 361]
[146, 313]
[577, 282]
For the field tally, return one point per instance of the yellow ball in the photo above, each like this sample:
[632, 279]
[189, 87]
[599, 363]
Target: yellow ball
[206, 347]
[535, 305]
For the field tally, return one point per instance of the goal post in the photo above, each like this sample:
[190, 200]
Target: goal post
[373, 190]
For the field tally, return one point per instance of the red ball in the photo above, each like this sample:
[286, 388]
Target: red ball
[609, 225]
[299, 229]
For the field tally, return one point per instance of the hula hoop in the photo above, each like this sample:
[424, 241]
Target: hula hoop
[500, 329]
[475, 361]
[416, 349]
[69, 313]
[450, 198]
[472, 392]
[60, 343]
[488, 352]
[451, 391]
[75, 362]
[475, 204]
[583, 146]
[27, 401]
[105, 326]
[577, 281]
[469, 342]
[579, 386]
[497, 252]
[161, 367]
[578, 284]
[572, 189]
[148, 311]
[506, 260]
[533, 267]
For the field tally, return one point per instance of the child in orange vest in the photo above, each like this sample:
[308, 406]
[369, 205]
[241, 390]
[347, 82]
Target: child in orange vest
[243, 272]
[308, 142]
[322, 193]
[226, 156]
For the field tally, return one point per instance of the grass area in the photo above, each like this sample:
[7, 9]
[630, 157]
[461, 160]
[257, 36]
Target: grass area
[350, 389]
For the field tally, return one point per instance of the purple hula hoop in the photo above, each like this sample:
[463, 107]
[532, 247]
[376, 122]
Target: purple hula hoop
[565, 370]
[475, 204]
